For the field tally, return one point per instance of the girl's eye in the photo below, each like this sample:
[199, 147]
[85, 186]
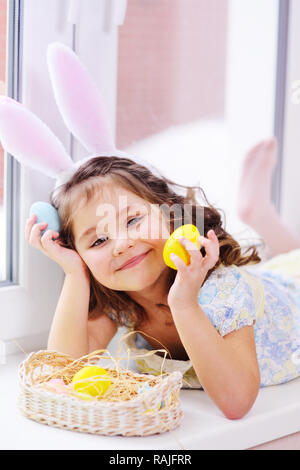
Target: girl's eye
[99, 239]
[135, 218]
[103, 239]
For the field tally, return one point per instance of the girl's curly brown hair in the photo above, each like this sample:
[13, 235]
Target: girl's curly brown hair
[138, 179]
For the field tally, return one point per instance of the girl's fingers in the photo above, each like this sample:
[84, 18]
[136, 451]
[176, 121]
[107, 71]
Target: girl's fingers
[28, 226]
[35, 235]
[211, 245]
[180, 265]
[191, 248]
[46, 240]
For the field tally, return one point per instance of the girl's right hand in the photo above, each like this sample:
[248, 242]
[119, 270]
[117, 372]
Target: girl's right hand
[68, 259]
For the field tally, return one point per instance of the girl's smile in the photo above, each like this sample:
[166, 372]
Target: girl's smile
[134, 261]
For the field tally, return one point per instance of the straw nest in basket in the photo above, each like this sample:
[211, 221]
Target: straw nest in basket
[133, 405]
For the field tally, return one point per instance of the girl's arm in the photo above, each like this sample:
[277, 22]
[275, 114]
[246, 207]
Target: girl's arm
[68, 332]
[101, 330]
[226, 366]
[71, 332]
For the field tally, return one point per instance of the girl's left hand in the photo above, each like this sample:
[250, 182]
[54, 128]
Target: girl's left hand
[189, 279]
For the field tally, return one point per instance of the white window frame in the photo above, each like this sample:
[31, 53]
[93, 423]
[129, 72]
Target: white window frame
[27, 308]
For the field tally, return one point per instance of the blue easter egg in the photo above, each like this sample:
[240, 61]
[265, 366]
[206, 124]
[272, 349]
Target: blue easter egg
[45, 212]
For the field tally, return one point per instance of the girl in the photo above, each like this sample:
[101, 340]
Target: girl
[236, 323]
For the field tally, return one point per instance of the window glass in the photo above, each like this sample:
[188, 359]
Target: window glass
[195, 89]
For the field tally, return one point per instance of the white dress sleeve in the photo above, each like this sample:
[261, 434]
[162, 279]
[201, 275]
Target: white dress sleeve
[227, 299]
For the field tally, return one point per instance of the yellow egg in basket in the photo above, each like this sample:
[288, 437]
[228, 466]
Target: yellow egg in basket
[173, 244]
[91, 381]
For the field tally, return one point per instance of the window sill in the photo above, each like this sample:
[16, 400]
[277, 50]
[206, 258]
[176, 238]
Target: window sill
[276, 413]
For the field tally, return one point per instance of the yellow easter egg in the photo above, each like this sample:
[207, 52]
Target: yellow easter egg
[91, 381]
[173, 244]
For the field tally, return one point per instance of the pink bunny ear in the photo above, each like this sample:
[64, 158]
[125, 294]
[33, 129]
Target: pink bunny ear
[29, 140]
[78, 100]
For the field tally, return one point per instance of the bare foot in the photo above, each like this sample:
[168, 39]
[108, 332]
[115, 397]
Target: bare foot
[254, 196]
[255, 207]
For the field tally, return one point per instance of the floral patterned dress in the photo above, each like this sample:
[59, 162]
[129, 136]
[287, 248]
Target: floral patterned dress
[267, 296]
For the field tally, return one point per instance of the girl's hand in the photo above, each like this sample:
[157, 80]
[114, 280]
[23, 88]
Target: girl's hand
[69, 260]
[189, 279]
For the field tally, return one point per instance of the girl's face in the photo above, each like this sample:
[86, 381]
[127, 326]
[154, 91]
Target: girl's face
[122, 226]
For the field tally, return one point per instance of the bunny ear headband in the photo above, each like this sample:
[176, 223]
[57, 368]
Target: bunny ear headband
[33, 144]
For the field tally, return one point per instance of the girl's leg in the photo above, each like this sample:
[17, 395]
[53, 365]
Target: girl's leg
[255, 207]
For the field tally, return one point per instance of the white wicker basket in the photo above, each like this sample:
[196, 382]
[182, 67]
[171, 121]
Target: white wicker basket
[139, 416]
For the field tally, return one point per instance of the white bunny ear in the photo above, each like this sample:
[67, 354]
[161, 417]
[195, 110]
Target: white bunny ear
[79, 100]
[29, 140]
